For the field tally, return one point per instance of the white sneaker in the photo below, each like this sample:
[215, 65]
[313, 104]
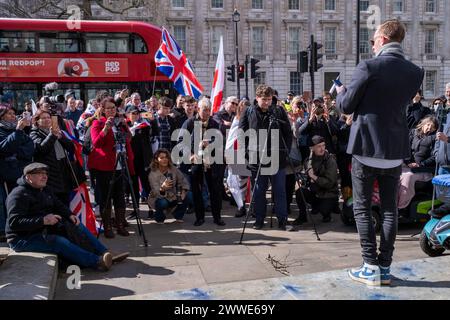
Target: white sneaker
[367, 274]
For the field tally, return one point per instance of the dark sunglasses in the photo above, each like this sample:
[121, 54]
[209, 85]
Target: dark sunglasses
[135, 113]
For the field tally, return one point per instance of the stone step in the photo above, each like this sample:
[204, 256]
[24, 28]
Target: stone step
[28, 276]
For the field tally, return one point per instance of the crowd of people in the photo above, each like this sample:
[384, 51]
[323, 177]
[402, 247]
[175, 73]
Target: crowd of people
[119, 132]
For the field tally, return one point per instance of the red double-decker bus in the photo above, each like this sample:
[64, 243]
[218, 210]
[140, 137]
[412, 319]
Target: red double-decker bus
[85, 56]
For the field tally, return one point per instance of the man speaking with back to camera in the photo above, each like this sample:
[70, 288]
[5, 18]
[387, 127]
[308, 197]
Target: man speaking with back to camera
[378, 95]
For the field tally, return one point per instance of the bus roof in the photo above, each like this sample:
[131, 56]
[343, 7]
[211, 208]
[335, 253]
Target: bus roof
[85, 26]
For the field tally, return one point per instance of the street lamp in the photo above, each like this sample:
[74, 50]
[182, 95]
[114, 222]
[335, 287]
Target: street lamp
[236, 18]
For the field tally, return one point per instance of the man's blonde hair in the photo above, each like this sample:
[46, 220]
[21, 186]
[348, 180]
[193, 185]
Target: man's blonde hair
[394, 30]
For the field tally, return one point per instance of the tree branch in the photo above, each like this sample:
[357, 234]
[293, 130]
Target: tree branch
[134, 4]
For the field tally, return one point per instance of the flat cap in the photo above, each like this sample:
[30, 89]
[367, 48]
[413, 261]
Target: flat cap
[33, 167]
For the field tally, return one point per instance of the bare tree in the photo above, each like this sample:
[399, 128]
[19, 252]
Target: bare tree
[58, 8]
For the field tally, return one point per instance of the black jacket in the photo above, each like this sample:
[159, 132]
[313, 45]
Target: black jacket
[422, 148]
[189, 125]
[416, 112]
[222, 116]
[254, 118]
[378, 95]
[27, 207]
[179, 116]
[327, 130]
[16, 152]
[141, 145]
[60, 175]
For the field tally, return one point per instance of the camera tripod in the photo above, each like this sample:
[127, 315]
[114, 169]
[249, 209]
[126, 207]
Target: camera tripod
[121, 159]
[251, 209]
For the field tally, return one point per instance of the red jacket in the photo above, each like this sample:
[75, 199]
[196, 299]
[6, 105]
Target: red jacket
[103, 155]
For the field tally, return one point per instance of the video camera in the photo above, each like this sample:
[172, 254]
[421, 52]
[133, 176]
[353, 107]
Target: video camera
[50, 98]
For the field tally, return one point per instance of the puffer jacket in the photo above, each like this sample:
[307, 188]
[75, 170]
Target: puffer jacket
[16, 152]
[27, 208]
[60, 175]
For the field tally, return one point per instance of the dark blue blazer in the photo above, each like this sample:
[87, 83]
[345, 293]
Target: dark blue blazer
[378, 95]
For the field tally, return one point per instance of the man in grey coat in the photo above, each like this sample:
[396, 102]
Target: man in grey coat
[378, 95]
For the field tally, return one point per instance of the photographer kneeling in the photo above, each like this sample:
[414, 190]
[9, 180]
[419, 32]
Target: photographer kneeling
[39, 222]
[169, 187]
[322, 192]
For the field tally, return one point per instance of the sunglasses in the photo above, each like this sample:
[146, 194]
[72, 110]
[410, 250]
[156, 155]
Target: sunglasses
[135, 113]
[235, 103]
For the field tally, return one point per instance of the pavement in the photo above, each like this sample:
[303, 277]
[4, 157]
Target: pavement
[208, 262]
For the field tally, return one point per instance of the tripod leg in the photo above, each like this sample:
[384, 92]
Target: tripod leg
[133, 197]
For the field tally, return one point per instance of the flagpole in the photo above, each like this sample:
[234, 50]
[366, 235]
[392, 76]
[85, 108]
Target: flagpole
[156, 68]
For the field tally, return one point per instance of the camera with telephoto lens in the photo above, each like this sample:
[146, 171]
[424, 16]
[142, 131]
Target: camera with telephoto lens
[53, 100]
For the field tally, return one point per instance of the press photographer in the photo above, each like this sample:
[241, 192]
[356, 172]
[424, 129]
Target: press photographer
[110, 136]
[322, 190]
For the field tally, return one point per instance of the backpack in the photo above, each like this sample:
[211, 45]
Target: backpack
[87, 143]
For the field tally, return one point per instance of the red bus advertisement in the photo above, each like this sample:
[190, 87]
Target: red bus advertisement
[97, 55]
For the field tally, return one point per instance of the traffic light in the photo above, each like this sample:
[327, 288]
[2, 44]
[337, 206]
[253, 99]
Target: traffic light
[241, 71]
[231, 74]
[315, 57]
[254, 67]
[302, 61]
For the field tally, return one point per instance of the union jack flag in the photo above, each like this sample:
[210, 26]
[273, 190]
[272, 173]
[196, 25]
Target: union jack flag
[171, 61]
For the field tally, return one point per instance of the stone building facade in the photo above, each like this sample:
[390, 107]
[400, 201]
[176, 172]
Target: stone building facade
[275, 30]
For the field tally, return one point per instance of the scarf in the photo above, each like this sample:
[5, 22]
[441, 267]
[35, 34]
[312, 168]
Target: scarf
[8, 125]
[59, 150]
[393, 47]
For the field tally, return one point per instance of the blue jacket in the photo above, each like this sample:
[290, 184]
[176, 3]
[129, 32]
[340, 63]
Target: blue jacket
[442, 150]
[378, 95]
[16, 151]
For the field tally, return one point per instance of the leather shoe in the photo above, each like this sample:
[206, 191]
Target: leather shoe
[258, 225]
[220, 222]
[119, 257]
[105, 262]
[241, 213]
[199, 222]
[299, 221]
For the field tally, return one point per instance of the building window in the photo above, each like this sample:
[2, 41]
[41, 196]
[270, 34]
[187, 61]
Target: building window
[216, 33]
[258, 42]
[296, 83]
[179, 33]
[330, 41]
[330, 5]
[364, 5]
[257, 4]
[217, 4]
[177, 3]
[364, 44]
[294, 41]
[430, 6]
[398, 6]
[260, 79]
[294, 4]
[430, 41]
[430, 83]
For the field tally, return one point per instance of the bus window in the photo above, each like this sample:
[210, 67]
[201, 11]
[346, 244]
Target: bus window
[107, 43]
[16, 41]
[58, 42]
[138, 44]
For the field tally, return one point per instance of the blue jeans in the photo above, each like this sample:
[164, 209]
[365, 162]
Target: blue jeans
[163, 204]
[363, 178]
[443, 171]
[62, 247]
[278, 182]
